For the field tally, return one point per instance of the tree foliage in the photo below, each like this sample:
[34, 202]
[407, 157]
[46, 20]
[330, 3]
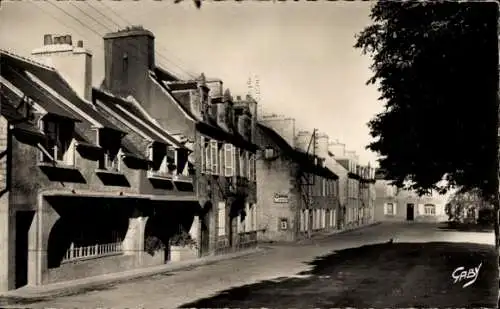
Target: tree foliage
[465, 206]
[435, 64]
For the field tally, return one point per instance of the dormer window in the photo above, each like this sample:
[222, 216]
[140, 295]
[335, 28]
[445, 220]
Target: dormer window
[59, 146]
[111, 158]
[26, 109]
[163, 160]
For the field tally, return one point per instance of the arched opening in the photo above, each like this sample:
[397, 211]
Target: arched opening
[83, 233]
[59, 242]
[156, 235]
[237, 205]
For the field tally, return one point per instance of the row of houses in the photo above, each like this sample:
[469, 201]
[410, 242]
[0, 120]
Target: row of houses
[314, 184]
[149, 168]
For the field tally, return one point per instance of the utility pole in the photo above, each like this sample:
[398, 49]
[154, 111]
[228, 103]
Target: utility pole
[310, 184]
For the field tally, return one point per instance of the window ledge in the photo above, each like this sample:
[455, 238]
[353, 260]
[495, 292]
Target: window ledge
[57, 165]
[105, 171]
[159, 176]
[183, 178]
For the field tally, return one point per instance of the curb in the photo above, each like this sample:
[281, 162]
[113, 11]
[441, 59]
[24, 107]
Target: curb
[78, 286]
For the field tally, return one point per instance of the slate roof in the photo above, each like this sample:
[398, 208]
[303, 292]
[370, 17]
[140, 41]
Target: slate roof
[128, 112]
[9, 111]
[16, 67]
[160, 79]
[300, 157]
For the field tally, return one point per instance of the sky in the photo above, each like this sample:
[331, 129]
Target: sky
[302, 52]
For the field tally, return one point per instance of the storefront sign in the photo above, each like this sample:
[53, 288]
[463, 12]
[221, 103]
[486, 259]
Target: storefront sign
[280, 197]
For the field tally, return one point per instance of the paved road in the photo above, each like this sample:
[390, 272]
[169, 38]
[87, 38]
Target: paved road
[175, 289]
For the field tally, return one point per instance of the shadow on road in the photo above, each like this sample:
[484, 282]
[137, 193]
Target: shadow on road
[465, 227]
[380, 275]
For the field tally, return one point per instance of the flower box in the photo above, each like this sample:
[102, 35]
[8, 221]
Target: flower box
[178, 253]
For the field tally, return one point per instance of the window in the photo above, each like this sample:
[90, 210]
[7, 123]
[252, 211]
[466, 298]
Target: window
[253, 210]
[202, 155]
[163, 160]
[389, 209]
[251, 166]
[430, 209]
[302, 221]
[221, 231]
[283, 224]
[112, 161]
[208, 156]
[221, 150]
[243, 163]
[125, 63]
[214, 151]
[236, 161]
[59, 142]
[228, 160]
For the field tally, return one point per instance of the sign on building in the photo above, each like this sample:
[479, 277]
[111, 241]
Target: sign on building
[281, 197]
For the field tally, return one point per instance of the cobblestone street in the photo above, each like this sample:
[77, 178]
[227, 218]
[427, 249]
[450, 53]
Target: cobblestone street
[186, 287]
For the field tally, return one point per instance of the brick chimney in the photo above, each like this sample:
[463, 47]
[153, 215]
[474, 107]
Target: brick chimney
[74, 63]
[129, 55]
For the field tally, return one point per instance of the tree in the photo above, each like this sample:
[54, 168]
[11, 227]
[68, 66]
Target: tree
[465, 206]
[436, 64]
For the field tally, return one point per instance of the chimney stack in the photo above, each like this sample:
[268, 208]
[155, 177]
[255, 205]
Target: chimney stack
[47, 39]
[67, 39]
[79, 44]
[73, 63]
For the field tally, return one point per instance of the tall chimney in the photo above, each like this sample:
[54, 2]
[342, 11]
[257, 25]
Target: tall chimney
[129, 76]
[47, 39]
[73, 63]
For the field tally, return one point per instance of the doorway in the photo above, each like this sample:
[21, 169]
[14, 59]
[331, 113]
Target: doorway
[205, 230]
[23, 224]
[410, 212]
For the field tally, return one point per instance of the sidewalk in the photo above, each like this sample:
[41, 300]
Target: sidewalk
[35, 293]
[323, 235]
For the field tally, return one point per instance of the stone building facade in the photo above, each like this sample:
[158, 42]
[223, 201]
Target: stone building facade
[78, 198]
[298, 195]
[217, 127]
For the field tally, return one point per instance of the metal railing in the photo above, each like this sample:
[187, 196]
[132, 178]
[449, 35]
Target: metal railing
[77, 253]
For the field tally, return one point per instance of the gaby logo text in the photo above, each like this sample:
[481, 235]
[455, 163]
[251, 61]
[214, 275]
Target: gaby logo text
[461, 274]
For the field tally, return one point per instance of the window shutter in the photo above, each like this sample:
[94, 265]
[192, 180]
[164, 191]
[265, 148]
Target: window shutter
[202, 154]
[221, 160]
[236, 161]
[243, 167]
[228, 160]
[254, 167]
[214, 157]
[208, 157]
[221, 219]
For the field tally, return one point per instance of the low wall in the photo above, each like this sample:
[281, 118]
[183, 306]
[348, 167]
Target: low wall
[91, 267]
